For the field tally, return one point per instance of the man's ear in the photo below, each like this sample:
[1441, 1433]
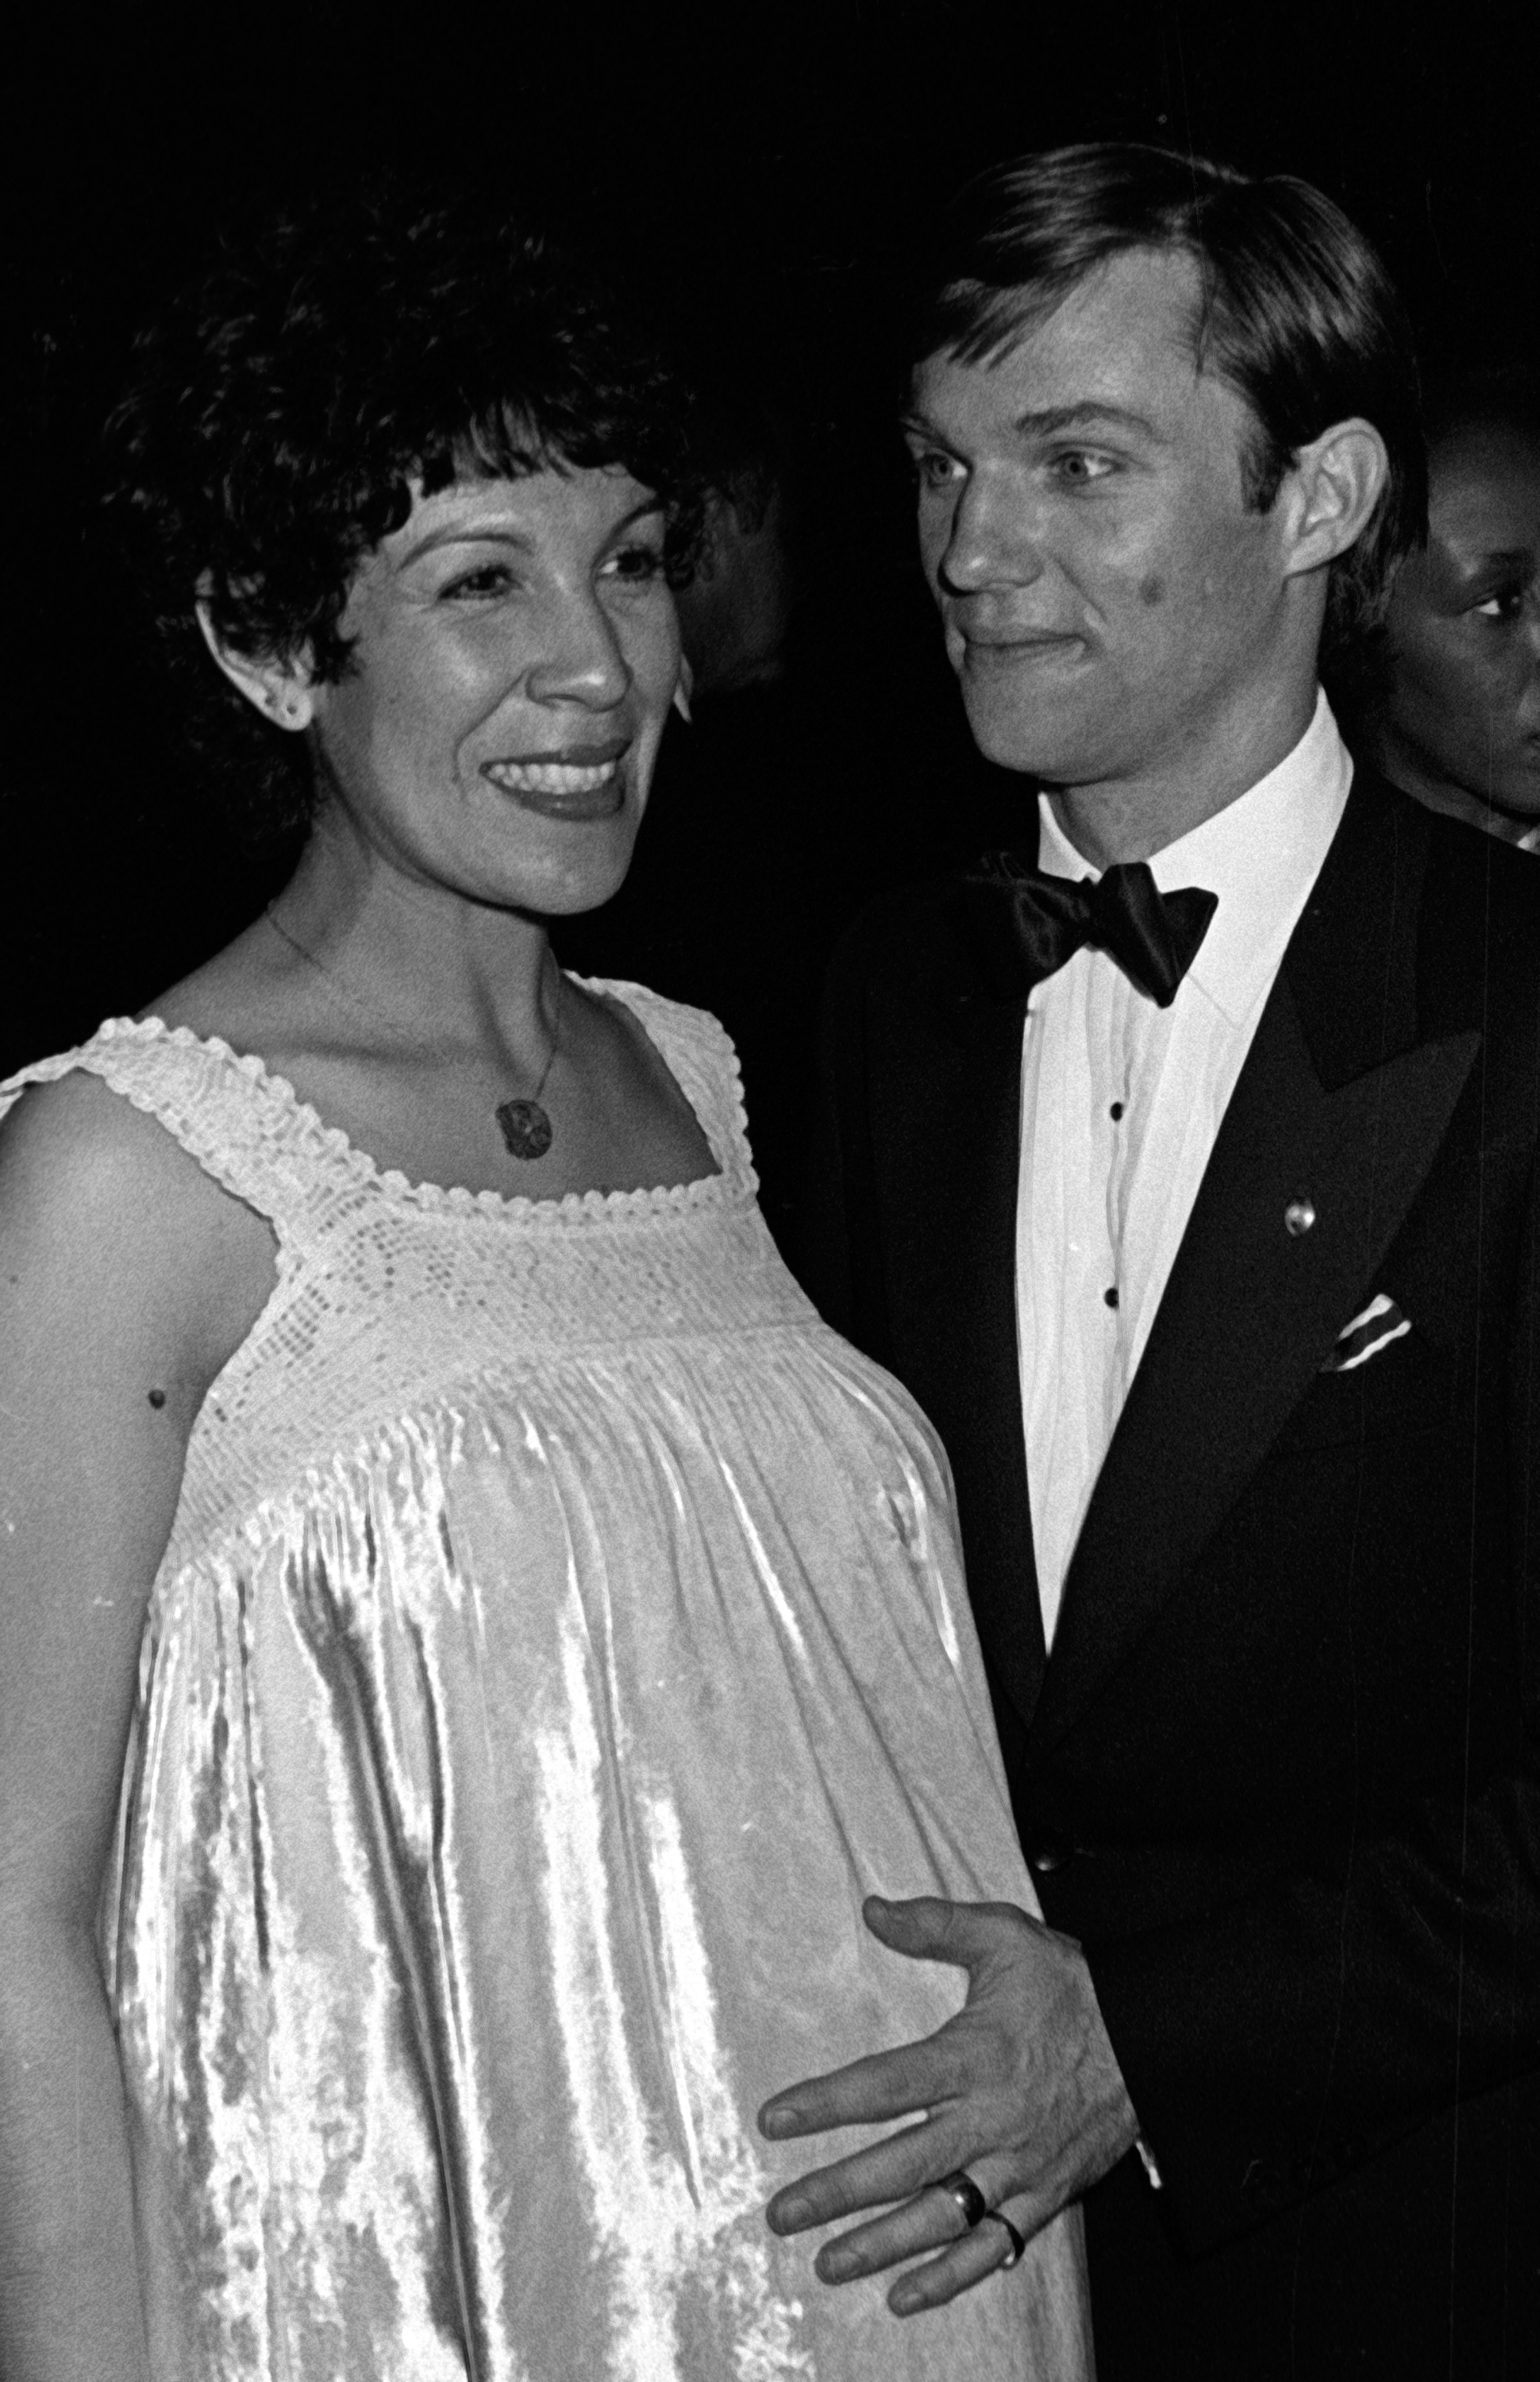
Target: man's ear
[281, 690]
[1330, 494]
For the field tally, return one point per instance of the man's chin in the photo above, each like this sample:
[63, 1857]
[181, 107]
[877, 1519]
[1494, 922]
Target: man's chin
[1033, 740]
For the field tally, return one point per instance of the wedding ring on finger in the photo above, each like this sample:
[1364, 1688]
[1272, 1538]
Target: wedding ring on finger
[959, 2186]
[1018, 2240]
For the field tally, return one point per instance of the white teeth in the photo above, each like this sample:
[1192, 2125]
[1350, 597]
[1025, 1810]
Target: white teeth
[549, 777]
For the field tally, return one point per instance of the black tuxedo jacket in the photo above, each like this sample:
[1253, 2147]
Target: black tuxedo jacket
[1281, 1775]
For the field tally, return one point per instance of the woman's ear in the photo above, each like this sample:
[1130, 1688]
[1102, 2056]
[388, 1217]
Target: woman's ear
[1332, 488]
[685, 688]
[281, 690]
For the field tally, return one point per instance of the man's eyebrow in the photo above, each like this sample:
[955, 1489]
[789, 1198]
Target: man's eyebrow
[1043, 422]
[1046, 420]
[914, 426]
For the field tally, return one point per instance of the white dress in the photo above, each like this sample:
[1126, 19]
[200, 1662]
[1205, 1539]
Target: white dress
[561, 1630]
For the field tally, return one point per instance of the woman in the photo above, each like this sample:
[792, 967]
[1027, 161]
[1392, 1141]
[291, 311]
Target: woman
[471, 1635]
[1457, 716]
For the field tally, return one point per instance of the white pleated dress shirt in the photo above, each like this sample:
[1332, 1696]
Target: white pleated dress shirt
[1120, 1104]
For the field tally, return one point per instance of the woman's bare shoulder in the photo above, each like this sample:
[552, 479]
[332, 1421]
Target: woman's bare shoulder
[101, 1209]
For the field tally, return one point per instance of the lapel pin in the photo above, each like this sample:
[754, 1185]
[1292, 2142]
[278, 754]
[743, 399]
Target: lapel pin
[1298, 1217]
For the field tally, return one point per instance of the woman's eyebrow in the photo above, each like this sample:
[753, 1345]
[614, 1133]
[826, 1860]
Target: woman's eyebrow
[500, 534]
[463, 533]
[1499, 557]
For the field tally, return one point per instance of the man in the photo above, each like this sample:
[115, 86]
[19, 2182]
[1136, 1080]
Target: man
[1200, 1216]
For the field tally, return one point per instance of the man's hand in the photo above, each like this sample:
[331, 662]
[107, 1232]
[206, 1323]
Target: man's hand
[1022, 2088]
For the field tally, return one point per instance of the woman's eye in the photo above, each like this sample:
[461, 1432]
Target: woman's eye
[635, 566]
[1506, 604]
[491, 579]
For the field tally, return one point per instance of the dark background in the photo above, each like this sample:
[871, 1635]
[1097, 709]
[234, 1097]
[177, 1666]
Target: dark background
[772, 166]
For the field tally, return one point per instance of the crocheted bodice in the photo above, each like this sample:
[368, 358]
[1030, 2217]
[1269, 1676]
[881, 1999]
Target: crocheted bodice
[371, 1266]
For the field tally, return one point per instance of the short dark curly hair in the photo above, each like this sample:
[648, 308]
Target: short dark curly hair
[286, 406]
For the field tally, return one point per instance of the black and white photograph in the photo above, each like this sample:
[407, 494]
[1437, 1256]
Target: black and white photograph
[770, 1194]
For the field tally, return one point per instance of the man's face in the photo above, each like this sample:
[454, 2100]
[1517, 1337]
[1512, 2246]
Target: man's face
[1110, 603]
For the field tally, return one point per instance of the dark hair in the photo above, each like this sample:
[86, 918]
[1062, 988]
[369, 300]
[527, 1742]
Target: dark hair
[1296, 312]
[285, 405]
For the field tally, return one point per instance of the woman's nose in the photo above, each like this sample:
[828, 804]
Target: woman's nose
[581, 661]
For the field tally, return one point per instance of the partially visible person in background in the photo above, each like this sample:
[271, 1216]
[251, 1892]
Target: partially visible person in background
[735, 610]
[1452, 713]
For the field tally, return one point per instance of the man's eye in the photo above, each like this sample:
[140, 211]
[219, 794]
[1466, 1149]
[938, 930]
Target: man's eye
[1080, 466]
[1506, 604]
[933, 470]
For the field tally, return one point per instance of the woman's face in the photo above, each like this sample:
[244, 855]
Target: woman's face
[515, 655]
[1463, 715]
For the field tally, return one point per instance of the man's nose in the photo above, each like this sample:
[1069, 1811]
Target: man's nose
[581, 660]
[993, 541]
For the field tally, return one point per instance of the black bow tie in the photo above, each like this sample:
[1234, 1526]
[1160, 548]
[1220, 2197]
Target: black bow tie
[1023, 925]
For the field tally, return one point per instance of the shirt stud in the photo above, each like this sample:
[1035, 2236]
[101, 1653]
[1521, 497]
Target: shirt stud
[1298, 1217]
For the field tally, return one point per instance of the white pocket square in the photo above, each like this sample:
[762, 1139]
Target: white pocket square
[1380, 1322]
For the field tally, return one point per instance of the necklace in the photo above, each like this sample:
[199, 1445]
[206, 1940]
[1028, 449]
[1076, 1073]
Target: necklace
[525, 1125]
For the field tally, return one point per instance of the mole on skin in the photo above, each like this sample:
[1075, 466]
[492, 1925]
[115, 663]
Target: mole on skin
[1152, 590]
[157, 1397]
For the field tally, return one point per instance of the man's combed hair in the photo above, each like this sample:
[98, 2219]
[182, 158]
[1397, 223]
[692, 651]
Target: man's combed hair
[1295, 311]
[287, 407]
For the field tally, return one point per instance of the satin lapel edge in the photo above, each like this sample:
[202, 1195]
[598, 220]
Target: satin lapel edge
[1357, 1154]
[951, 1260]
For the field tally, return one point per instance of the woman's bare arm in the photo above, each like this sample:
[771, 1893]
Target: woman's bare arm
[127, 1279]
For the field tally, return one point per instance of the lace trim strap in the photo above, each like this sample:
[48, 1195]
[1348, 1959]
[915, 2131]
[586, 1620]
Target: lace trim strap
[250, 1133]
[185, 1086]
[702, 1057]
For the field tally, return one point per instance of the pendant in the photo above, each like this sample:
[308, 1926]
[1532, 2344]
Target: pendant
[525, 1128]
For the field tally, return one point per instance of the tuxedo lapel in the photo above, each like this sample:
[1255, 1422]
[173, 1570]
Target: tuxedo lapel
[1329, 1136]
[945, 1107]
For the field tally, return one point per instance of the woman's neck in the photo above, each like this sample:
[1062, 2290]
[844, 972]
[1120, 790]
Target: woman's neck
[431, 961]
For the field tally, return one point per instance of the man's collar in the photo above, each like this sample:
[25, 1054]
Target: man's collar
[1260, 855]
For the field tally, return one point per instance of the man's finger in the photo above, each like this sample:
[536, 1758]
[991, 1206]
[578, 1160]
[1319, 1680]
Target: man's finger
[930, 2221]
[985, 2252]
[894, 2169]
[968, 1935]
[884, 2084]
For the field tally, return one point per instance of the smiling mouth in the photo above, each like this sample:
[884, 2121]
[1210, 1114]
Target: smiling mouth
[552, 777]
